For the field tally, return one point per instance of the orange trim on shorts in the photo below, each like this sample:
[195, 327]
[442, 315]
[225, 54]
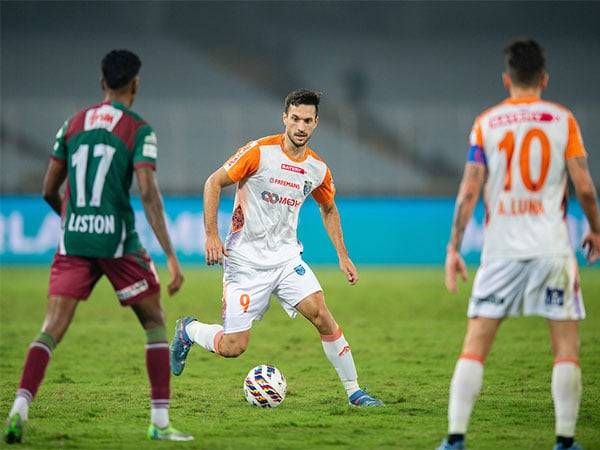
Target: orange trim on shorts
[571, 359]
[472, 357]
[332, 337]
[217, 339]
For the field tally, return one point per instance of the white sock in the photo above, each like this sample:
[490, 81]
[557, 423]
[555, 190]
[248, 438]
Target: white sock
[159, 416]
[464, 389]
[338, 352]
[21, 406]
[205, 335]
[566, 392]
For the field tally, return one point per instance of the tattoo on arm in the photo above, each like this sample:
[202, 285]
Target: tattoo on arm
[468, 195]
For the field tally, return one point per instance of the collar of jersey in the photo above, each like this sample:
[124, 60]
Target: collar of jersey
[517, 101]
[306, 153]
[115, 103]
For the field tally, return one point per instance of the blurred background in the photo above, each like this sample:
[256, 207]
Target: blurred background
[402, 83]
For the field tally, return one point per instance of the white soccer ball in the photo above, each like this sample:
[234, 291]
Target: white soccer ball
[265, 386]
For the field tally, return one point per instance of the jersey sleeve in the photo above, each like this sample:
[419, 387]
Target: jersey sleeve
[476, 151]
[244, 162]
[145, 149]
[575, 148]
[325, 192]
[59, 151]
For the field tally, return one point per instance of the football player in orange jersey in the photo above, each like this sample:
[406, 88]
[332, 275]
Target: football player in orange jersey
[521, 151]
[262, 255]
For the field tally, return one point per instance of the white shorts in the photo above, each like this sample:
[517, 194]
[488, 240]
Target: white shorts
[247, 291]
[547, 287]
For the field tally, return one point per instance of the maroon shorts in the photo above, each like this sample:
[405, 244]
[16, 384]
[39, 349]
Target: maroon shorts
[133, 276]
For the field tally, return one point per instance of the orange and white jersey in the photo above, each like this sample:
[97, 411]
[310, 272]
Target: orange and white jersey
[524, 144]
[271, 190]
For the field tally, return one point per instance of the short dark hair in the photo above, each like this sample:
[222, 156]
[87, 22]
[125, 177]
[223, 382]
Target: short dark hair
[525, 62]
[119, 67]
[303, 97]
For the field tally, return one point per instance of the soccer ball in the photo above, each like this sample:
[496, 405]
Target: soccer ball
[265, 386]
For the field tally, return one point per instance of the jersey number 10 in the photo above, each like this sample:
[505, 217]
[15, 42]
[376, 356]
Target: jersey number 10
[507, 144]
[80, 162]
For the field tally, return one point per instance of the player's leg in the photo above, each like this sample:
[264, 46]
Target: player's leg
[71, 278]
[553, 292]
[336, 347]
[468, 376]
[298, 290]
[58, 317]
[246, 294]
[566, 379]
[211, 337]
[497, 292]
[136, 284]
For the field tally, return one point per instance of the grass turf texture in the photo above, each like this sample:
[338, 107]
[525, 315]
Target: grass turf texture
[405, 332]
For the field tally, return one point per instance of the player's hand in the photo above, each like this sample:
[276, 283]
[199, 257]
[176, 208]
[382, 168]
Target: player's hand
[214, 250]
[591, 245]
[454, 264]
[347, 266]
[176, 275]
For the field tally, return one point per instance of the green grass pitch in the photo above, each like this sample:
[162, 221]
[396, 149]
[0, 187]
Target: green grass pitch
[405, 332]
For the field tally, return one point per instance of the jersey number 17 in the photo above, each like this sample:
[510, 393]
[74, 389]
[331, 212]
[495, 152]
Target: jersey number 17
[80, 162]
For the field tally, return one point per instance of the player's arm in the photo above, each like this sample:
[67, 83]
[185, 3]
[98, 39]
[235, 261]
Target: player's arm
[586, 194]
[468, 195]
[154, 210]
[214, 248]
[333, 225]
[53, 180]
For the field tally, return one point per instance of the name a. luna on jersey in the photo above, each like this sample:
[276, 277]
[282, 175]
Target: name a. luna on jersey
[91, 223]
[519, 207]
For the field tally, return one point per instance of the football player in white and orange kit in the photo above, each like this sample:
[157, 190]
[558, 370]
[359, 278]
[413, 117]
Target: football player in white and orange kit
[521, 151]
[261, 255]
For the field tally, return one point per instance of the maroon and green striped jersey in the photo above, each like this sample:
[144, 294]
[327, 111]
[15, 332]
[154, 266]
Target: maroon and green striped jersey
[101, 146]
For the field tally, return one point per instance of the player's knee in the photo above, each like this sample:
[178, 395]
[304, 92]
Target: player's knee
[233, 346]
[56, 326]
[233, 350]
[323, 320]
[154, 320]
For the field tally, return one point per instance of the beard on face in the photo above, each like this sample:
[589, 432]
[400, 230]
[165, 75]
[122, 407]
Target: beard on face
[295, 142]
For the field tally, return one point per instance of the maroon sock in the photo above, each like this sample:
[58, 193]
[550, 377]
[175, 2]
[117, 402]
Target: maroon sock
[159, 373]
[36, 362]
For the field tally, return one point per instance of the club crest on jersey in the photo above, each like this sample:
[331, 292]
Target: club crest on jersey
[307, 187]
[300, 270]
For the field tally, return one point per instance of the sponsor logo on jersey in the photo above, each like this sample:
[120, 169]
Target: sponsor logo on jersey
[132, 290]
[493, 299]
[502, 120]
[150, 149]
[273, 198]
[555, 297]
[284, 183]
[91, 223]
[307, 187]
[241, 152]
[292, 168]
[300, 270]
[105, 117]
